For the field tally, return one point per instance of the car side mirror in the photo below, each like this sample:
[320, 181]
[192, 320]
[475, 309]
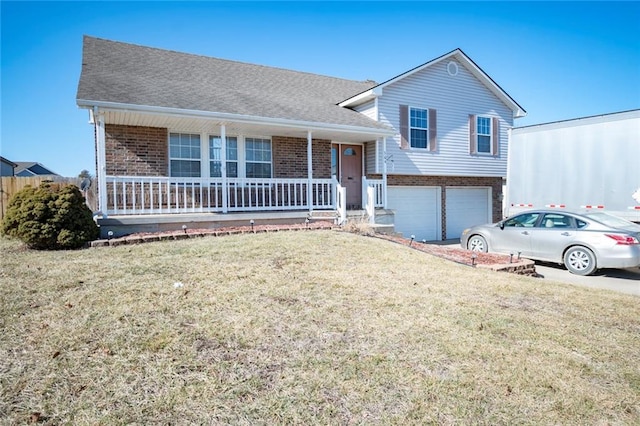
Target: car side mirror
[501, 225]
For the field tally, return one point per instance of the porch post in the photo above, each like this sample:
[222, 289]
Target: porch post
[101, 159]
[309, 171]
[384, 172]
[223, 168]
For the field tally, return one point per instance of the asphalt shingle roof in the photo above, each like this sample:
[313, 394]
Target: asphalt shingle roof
[138, 75]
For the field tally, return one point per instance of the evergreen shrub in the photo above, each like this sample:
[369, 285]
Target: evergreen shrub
[50, 217]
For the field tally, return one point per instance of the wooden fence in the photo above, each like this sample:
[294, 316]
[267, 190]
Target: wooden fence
[9, 185]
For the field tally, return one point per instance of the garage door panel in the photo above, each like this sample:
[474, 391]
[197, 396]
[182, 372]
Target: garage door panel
[466, 207]
[417, 211]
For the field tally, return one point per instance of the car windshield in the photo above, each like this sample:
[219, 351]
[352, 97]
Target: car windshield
[612, 221]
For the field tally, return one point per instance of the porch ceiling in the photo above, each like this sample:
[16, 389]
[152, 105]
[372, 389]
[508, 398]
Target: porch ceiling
[212, 126]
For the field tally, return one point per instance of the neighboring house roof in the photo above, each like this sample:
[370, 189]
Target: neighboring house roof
[5, 161]
[7, 167]
[132, 77]
[456, 54]
[31, 168]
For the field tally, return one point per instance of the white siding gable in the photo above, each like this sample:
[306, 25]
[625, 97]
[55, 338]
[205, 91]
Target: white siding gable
[368, 109]
[454, 98]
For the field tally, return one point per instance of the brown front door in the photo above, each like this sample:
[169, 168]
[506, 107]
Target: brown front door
[350, 175]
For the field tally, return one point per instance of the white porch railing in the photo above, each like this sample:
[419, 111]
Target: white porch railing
[148, 195]
[378, 192]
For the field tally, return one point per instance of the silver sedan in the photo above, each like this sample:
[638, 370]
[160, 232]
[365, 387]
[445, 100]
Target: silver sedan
[582, 242]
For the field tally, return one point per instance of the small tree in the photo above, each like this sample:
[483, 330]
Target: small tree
[84, 174]
[50, 217]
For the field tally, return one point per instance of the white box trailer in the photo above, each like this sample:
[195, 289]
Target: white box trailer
[586, 164]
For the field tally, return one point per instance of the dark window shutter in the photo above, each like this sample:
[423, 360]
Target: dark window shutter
[495, 137]
[472, 134]
[404, 127]
[433, 131]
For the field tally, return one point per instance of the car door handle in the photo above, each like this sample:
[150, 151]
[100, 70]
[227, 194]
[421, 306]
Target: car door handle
[566, 234]
[525, 232]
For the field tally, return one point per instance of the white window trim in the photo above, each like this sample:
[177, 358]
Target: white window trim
[204, 152]
[209, 159]
[490, 153]
[244, 155]
[410, 127]
[202, 145]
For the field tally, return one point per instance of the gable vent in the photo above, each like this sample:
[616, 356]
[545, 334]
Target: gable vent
[452, 68]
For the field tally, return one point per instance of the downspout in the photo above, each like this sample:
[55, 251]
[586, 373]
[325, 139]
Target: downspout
[101, 158]
[223, 168]
[309, 171]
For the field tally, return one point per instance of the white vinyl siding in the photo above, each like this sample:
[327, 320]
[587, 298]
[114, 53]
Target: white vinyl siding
[368, 109]
[371, 154]
[454, 98]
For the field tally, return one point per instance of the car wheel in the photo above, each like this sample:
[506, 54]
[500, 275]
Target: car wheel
[580, 261]
[477, 243]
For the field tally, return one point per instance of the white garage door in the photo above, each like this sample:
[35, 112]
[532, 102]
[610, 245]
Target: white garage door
[417, 211]
[466, 207]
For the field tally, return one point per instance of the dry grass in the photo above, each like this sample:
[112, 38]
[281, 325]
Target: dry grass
[316, 327]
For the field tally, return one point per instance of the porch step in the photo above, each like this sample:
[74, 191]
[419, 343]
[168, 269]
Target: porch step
[323, 215]
[387, 229]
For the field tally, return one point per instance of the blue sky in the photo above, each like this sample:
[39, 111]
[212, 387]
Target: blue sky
[559, 60]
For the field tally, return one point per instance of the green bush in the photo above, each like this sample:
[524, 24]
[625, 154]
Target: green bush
[50, 217]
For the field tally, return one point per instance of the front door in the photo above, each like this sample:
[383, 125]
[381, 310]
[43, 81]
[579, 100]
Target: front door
[349, 173]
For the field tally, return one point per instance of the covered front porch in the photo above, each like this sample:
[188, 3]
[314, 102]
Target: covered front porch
[153, 204]
[138, 181]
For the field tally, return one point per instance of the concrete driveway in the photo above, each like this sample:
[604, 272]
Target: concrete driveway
[620, 280]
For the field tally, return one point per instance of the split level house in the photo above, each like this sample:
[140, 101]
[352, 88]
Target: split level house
[183, 139]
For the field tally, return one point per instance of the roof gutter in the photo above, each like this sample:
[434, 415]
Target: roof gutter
[238, 118]
[362, 97]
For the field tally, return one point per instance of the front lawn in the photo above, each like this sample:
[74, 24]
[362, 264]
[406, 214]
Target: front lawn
[308, 327]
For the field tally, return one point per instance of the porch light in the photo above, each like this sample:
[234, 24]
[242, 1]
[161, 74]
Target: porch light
[109, 235]
[184, 228]
[251, 222]
[413, 237]
[473, 259]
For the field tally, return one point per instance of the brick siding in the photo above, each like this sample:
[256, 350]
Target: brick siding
[136, 151]
[289, 156]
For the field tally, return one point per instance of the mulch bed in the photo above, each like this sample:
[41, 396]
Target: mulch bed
[455, 254]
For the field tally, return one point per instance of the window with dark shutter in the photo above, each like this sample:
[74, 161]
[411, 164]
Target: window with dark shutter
[404, 127]
[472, 134]
[496, 137]
[433, 132]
